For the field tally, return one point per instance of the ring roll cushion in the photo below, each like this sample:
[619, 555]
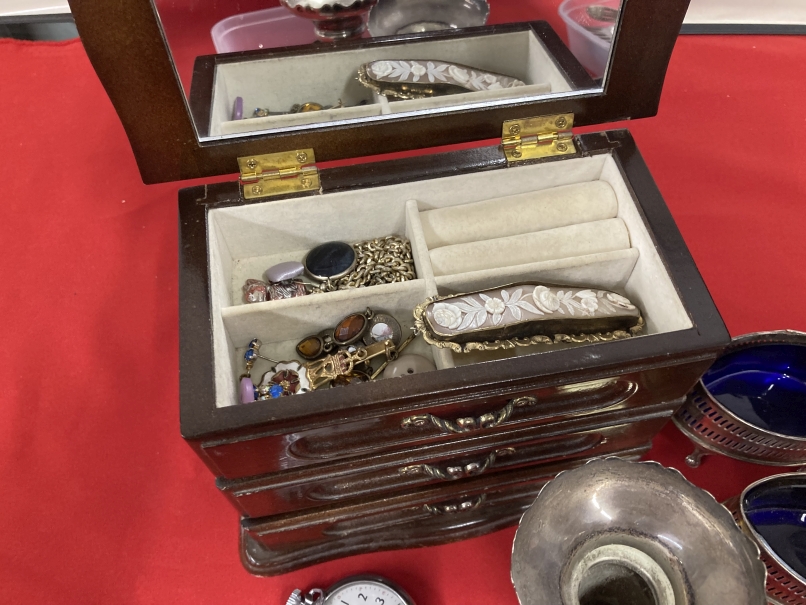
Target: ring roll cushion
[596, 237]
[519, 214]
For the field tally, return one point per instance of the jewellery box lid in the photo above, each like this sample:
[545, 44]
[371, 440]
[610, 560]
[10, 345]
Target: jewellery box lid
[129, 50]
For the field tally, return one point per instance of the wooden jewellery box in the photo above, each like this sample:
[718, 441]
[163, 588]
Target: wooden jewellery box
[461, 451]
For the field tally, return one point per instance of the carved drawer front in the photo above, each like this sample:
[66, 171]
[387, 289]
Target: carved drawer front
[402, 425]
[474, 456]
[395, 427]
[423, 517]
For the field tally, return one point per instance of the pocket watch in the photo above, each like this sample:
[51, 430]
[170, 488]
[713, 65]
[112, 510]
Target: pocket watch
[355, 590]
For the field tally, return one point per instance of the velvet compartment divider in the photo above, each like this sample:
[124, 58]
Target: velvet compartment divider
[604, 244]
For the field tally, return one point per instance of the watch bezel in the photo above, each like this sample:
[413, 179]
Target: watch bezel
[407, 600]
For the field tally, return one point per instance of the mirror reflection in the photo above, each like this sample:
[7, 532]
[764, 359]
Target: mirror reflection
[262, 66]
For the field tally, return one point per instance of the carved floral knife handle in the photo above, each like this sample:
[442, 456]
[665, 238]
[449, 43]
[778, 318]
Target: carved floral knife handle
[417, 79]
[526, 314]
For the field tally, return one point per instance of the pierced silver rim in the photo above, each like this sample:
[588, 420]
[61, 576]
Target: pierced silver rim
[713, 427]
[783, 585]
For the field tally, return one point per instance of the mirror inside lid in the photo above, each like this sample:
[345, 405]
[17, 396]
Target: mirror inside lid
[207, 81]
[408, 58]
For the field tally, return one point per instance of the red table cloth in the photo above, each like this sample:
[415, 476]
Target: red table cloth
[101, 500]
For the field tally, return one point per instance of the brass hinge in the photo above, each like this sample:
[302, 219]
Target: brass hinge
[278, 173]
[541, 137]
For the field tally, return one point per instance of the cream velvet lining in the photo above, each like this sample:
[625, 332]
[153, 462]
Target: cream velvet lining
[279, 83]
[518, 214]
[775, 12]
[555, 244]
[246, 240]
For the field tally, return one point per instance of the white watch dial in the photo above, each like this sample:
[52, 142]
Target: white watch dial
[364, 593]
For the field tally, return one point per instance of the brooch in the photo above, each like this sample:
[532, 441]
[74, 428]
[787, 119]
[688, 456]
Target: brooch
[337, 357]
[525, 314]
[286, 378]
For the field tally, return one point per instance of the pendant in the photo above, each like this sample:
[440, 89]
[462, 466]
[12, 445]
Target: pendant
[330, 261]
[382, 327]
[352, 328]
[526, 314]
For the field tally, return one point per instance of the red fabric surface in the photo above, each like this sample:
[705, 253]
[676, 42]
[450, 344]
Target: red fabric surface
[101, 500]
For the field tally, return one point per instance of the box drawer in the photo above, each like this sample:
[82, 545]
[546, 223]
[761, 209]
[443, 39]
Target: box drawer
[423, 517]
[473, 456]
[398, 427]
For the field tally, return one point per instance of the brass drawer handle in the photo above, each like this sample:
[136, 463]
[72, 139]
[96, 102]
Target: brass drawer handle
[456, 471]
[452, 509]
[466, 425]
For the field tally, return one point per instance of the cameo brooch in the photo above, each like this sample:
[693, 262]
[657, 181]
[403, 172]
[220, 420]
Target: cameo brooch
[525, 314]
[423, 79]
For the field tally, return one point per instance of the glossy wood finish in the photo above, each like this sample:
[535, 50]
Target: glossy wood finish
[204, 424]
[325, 468]
[154, 111]
[201, 90]
[424, 517]
[468, 457]
[395, 429]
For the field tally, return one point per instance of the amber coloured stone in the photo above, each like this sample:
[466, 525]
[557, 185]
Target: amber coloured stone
[350, 329]
[310, 348]
[345, 381]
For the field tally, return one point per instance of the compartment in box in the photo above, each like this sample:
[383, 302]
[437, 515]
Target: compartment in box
[245, 240]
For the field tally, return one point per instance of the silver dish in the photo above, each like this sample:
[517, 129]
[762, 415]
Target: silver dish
[784, 585]
[333, 19]
[716, 430]
[614, 531]
[391, 17]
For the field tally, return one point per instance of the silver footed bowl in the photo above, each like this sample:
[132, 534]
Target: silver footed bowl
[391, 17]
[751, 404]
[333, 19]
[773, 512]
[632, 533]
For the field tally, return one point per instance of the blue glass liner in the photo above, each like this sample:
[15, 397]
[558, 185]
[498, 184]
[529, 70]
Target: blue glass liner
[764, 385]
[777, 511]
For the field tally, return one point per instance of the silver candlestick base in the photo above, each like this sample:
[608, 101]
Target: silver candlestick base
[333, 19]
[614, 531]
